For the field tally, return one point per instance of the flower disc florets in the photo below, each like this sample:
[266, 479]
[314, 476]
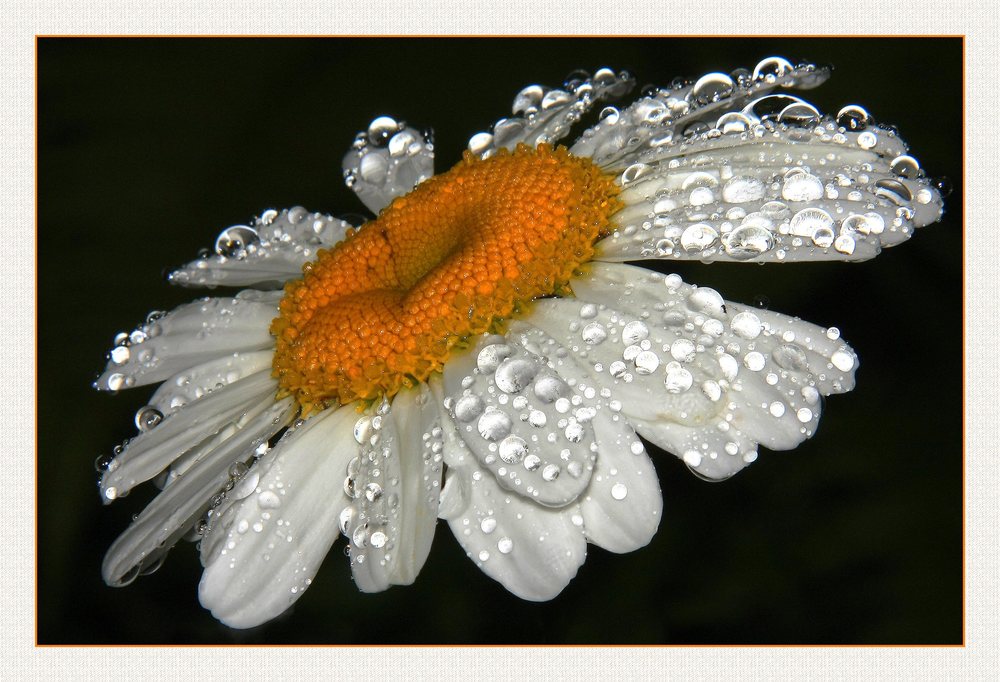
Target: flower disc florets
[452, 259]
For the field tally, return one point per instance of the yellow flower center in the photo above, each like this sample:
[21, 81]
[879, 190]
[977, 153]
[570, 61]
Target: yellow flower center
[383, 309]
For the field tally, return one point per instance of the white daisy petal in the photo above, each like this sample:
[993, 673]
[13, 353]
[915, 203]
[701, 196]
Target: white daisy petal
[527, 426]
[197, 382]
[545, 115]
[787, 185]
[623, 506]
[532, 551]
[266, 253]
[189, 335]
[703, 378]
[172, 513]
[263, 551]
[661, 116]
[396, 483]
[387, 161]
[152, 451]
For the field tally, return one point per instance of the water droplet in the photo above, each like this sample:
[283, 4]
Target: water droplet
[551, 388]
[867, 140]
[791, 357]
[746, 325]
[514, 374]
[677, 379]
[742, 188]
[853, 118]
[698, 237]
[594, 333]
[234, 241]
[777, 409]
[551, 472]
[683, 350]
[494, 424]
[148, 418]
[905, 166]
[381, 129]
[893, 191]
[268, 499]
[842, 360]
[646, 362]
[692, 458]
[491, 356]
[373, 491]
[512, 449]
[771, 68]
[748, 241]
[802, 187]
[378, 539]
[488, 525]
[468, 407]
[754, 361]
[120, 355]
[505, 545]
[711, 88]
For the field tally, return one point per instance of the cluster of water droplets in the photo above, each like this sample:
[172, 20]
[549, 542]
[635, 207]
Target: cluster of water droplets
[545, 115]
[722, 170]
[200, 345]
[388, 160]
[705, 379]
[524, 423]
[393, 486]
[266, 253]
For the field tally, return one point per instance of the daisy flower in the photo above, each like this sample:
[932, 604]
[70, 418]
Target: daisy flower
[480, 352]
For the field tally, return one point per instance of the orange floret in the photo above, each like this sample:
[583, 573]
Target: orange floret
[451, 259]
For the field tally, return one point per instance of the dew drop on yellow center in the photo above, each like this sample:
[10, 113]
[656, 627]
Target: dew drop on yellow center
[453, 258]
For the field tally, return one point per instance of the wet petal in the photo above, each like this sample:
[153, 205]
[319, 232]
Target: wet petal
[387, 161]
[661, 117]
[197, 382]
[764, 180]
[526, 425]
[701, 377]
[532, 551]
[266, 253]
[622, 506]
[391, 520]
[152, 451]
[174, 511]
[545, 115]
[188, 336]
[263, 551]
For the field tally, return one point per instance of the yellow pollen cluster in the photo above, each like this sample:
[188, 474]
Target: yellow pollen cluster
[453, 258]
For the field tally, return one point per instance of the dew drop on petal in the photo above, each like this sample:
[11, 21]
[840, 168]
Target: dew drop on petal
[619, 491]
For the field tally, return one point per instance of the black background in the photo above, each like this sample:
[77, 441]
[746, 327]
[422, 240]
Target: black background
[147, 148]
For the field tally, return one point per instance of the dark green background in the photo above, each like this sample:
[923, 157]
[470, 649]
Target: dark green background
[147, 148]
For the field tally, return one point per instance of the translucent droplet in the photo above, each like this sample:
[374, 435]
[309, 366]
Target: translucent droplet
[233, 241]
[468, 407]
[147, 418]
[698, 237]
[771, 67]
[515, 374]
[748, 241]
[512, 449]
[381, 129]
[712, 87]
[853, 118]
[905, 166]
[494, 424]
